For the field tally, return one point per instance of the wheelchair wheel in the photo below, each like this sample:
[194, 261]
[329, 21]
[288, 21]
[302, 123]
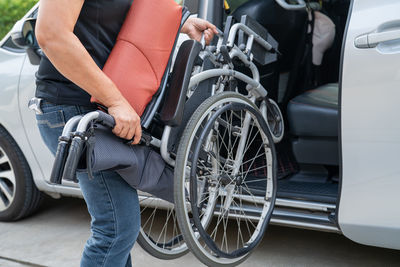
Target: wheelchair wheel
[227, 159]
[274, 118]
[159, 234]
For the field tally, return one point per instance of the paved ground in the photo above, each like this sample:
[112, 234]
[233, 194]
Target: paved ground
[56, 234]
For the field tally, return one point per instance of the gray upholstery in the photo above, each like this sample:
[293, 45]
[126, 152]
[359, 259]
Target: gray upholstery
[315, 150]
[313, 121]
[315, 112]
[140, 166]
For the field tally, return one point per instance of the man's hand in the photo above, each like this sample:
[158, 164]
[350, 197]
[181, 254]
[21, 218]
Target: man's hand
[195, 27]
[127, 121]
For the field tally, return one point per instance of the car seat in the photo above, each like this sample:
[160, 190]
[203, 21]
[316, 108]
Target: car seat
[313, 122]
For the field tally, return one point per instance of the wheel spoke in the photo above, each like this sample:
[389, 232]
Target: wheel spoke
[223, 139]
[258, 156]
[6, 190]
[165, 227]
[255, 169]
[244, 215]
[175, 228]
[3, 204]
[214, 232]
[239, 234]
[248, 144]
[225, 224]
[255, 181]
[4, 159]
[143, 208]
[247, 172]
[9, 175]
[251, 195]
[152, 220]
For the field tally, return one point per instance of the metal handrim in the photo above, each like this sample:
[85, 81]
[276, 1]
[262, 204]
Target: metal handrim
[194, 232]
[229, 181]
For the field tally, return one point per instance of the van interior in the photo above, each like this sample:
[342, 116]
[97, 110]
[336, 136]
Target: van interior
[308, 96]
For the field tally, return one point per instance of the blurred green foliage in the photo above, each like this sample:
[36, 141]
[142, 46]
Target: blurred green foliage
[11, 11]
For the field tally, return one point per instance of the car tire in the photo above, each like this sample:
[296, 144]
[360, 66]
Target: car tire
[19, 196]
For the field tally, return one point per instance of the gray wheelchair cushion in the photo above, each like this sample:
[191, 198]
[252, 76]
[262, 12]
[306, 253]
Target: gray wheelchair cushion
[140, 166]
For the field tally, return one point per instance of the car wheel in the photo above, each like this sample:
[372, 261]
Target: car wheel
[19, 196]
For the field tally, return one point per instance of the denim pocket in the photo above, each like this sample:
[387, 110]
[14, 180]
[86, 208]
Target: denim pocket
[53, 119]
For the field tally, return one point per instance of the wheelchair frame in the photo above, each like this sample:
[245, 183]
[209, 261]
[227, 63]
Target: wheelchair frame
[221, 56]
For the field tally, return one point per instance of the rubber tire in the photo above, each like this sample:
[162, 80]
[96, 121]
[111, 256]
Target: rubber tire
[179, 200]
[155, 253]
[27, 197]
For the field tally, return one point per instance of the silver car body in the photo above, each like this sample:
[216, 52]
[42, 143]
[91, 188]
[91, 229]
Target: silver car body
[368, 212]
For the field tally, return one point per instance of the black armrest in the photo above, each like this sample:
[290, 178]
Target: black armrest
[172, 111]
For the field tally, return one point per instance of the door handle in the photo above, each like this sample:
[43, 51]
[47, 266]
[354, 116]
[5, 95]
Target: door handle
[371, 40]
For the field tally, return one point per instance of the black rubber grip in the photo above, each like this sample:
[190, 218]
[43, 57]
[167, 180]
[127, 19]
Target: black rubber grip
[74, 155]
[106, 119]
[59, 162]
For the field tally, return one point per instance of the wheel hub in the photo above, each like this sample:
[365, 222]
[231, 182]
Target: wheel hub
[225, 179]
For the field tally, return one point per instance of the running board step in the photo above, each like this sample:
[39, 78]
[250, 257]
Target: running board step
[287, 212]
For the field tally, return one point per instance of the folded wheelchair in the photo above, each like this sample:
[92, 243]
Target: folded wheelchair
[206, 113]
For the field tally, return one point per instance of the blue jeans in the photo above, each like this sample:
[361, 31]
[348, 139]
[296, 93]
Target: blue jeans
[111, 202]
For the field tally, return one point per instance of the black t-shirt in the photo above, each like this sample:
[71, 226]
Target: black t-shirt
[97, 28]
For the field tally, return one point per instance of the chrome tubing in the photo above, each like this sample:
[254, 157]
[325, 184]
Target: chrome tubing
[240, 26]
[70, 125]
[64, 142]
[88, 118]
[236, 52]
[255, 88]
[164, 146]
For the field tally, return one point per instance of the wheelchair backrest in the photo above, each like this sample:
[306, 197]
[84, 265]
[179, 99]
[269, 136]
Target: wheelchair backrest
[139, 59]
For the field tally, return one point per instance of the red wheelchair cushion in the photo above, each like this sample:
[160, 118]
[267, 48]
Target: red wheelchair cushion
[140, 56]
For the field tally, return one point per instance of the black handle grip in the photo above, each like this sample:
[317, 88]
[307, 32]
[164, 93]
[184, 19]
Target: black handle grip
[58, 165]
[106, 119]
[73, 158]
